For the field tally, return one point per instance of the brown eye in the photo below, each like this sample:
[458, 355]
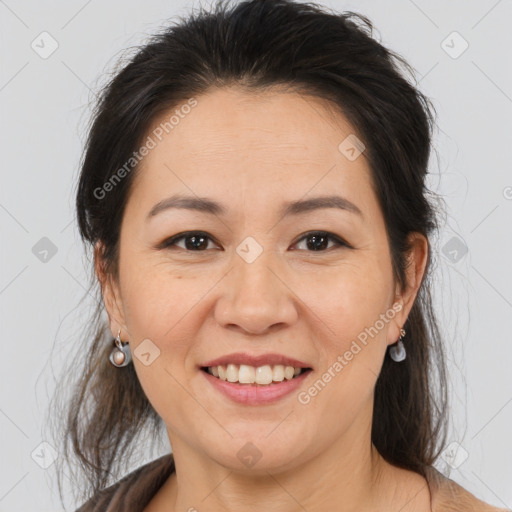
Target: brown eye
[194, 241]
[197, 241]
[318, 241]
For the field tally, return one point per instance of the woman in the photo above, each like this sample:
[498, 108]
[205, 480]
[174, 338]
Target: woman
[254, 189]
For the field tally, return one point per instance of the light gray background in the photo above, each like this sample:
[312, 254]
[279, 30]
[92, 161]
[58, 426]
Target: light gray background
[44, 111]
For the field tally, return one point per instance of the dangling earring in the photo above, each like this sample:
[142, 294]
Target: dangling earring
[120, 355]
[397, 352]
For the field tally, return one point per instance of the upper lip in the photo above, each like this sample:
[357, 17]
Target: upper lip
[259, 360]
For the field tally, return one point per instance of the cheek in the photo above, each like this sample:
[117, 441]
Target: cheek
[159, 308]
[356, 315]
[161, 312]
[353, 299]
[155, 300]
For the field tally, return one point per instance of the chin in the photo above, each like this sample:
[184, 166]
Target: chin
[257, 455]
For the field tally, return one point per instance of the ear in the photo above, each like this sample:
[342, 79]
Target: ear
[416, 264]
[110, 292]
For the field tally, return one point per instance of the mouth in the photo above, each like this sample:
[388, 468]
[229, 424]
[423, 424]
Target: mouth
[246, 375]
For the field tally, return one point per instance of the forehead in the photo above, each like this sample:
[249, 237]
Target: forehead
[230, 120]
[258, 144]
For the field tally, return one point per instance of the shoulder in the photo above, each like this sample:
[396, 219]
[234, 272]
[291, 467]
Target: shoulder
[448, 496]
[134, 491]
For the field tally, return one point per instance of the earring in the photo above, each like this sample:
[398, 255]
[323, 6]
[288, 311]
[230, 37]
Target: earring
[397, 352]
[120, 355]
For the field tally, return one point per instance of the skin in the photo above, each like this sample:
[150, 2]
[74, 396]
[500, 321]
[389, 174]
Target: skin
[251, 152]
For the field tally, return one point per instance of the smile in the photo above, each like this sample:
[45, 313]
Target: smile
[262, 375]
[261, 387]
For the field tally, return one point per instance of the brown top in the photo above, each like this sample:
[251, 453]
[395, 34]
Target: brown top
[134, 491]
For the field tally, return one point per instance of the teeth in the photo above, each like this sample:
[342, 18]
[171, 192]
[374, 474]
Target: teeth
[278, 373]
[288, 372]
[264, 374]
[245, 374]
[232, 373]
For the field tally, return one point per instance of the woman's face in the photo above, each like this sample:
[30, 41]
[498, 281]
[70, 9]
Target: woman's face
[254, 283]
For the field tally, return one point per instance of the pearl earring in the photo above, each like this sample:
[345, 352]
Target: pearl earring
[397, 352]
[120, 355]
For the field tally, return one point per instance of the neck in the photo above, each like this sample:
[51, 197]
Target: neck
[350, 473]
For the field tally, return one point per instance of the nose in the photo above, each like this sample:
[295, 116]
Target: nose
[255, 298]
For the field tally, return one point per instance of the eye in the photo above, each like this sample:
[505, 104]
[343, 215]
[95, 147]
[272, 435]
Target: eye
[196, 241]
[319, 240]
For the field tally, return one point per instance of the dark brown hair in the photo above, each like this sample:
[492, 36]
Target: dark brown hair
[259, 45]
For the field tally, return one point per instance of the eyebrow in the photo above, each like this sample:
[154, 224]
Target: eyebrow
[209, 206]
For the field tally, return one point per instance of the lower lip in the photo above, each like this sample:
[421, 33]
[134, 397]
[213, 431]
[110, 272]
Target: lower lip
[256, 394]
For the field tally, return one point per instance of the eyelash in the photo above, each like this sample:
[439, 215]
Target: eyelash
[169, 242]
